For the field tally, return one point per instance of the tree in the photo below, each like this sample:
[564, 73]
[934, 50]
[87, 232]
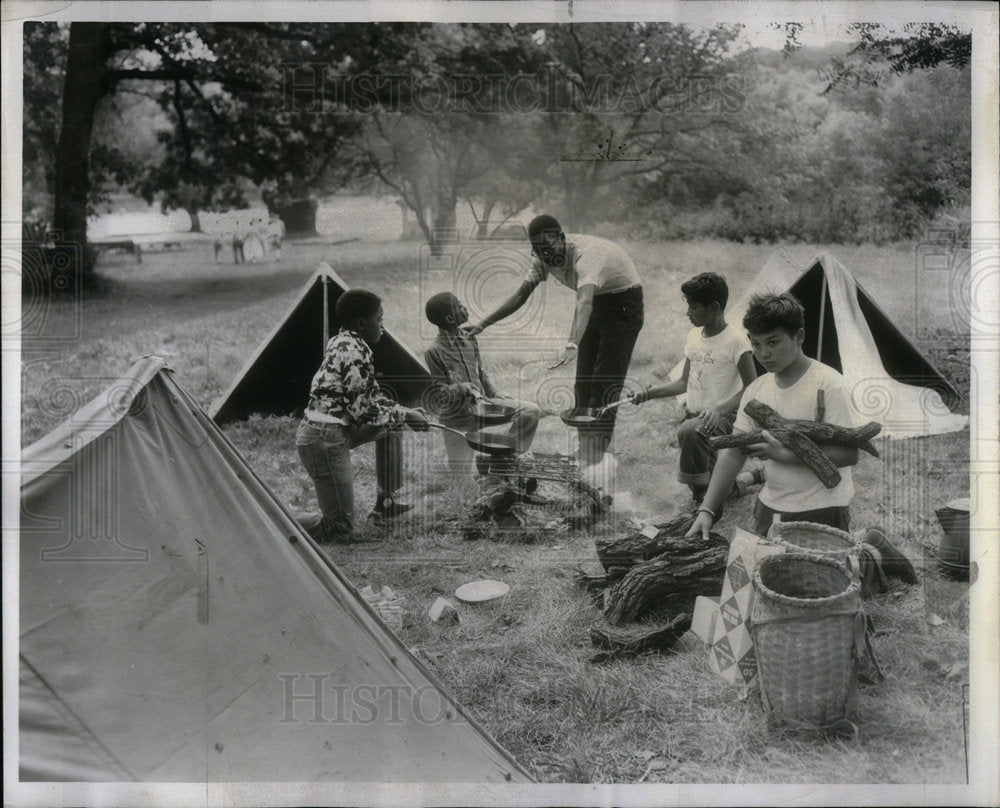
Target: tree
[82, 91]
[881, 51]
[222, 89]
[44, 73]
[442, 134]
[629, 103]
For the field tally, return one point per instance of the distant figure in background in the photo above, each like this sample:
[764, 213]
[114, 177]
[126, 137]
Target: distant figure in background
[217, 246]
[275, 235]
[253, 246]
[239, 235]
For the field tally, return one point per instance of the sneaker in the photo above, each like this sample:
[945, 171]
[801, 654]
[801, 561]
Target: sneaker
[388, 508]
[889, 561]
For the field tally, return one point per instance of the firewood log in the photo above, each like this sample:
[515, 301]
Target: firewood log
[795, 441]
[634, 639]
[858, 437]
[671, 581]
[619, 555]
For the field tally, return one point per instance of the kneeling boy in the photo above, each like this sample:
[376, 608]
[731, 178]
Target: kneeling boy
[346, 408]
[460, 380]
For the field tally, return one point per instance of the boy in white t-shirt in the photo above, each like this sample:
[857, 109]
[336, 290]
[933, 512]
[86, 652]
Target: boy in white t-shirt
[776, 327]
[718, 365]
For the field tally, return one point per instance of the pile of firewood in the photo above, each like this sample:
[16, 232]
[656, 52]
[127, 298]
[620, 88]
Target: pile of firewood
[802, 437]
[523, 510]
[650, 583]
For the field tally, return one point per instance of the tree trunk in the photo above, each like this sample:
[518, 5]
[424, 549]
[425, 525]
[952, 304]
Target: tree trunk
[195, 220]
[443, 231]
[81, 94]
[299, 217]
[483, 227]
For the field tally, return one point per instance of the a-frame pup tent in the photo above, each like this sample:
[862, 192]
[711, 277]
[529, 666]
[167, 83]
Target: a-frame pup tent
[177, 626]
[275, 380]
[891, 381]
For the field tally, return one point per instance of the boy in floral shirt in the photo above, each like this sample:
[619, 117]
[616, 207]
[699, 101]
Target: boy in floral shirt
[346, 409]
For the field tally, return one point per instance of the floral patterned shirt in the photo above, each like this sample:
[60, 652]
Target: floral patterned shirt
[345, 388]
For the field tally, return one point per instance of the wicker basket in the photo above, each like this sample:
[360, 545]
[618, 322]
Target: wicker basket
[816, 540]
[808, 632]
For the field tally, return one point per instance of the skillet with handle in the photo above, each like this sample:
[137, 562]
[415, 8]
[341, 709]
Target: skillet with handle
[584, 416]
[484, 442]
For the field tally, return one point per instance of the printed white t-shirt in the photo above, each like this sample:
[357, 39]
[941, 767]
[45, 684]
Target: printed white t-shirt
[590, 260]
[714, 376]
[791, 487]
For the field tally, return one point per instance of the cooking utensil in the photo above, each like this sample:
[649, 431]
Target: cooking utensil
[492, 413]
[614, 405]
[578, 416]
[585, 416]
[484, 442]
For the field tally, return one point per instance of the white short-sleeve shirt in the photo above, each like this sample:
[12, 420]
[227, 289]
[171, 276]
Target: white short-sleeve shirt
[590, 260]
[791, 487]
[714, 376]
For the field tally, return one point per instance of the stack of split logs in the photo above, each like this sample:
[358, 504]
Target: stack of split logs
[802, 437]
[650, 582]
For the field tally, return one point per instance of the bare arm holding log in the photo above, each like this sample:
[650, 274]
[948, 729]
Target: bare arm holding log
[784, 442]
[858, 437]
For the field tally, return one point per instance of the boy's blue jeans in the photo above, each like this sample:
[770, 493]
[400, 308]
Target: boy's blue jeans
[325, 452]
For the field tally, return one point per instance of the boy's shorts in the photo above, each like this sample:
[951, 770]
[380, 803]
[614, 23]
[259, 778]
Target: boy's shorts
[837, 516]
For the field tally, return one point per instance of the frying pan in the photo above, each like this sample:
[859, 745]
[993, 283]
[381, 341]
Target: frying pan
[585, 416]
[485, 442]
[491, 413]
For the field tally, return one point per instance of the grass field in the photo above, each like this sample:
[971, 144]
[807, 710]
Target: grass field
[521, 664]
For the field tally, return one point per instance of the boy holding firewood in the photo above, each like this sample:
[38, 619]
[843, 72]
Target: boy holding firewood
[718, 366]
[812, 483]
[792, 387]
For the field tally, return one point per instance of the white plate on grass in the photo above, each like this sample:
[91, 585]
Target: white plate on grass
[481, 591]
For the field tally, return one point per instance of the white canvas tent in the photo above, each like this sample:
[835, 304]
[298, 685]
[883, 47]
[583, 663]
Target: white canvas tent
[891, 381]
[176, 625]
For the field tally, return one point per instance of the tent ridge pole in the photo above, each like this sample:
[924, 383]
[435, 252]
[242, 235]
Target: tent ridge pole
[326, 312]
[822, 316]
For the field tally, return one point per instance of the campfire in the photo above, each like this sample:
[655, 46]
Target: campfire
[524, 497]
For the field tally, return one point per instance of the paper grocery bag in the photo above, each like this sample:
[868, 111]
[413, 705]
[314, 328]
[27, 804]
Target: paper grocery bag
[731, 654]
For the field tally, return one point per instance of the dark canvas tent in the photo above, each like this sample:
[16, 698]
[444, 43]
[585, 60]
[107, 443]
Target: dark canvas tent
[177, 626]
[891, 381]
[275, 381]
